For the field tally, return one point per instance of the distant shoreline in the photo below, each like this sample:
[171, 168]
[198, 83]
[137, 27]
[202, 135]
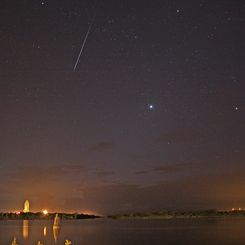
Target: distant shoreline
[137, 215]
[41, 216]
[179, 215]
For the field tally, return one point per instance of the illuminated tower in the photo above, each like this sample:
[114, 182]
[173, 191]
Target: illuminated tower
[26, 207]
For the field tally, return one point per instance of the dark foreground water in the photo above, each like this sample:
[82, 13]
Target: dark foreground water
[218, 231]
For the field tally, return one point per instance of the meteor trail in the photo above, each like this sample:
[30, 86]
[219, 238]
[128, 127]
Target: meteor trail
[86, 36]
[83, 45]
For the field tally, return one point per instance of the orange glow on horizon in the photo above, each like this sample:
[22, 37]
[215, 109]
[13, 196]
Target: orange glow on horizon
[45, 211]
[90, 212]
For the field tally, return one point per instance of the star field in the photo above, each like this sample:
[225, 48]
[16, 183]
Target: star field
[155, 107]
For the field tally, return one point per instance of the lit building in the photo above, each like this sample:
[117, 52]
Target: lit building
[26, 207]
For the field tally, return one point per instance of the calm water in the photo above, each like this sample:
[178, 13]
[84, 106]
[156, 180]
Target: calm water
[127, 232]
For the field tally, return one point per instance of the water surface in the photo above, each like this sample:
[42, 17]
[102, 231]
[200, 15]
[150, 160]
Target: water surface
[200, 231]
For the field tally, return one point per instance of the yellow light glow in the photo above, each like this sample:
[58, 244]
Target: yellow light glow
[25, 229]
[45, 231]
[45, 212]
[26, 207]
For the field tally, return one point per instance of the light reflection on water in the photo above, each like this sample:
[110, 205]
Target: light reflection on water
[204, 231]
[56, 231]
[45, 231]
[25, 229]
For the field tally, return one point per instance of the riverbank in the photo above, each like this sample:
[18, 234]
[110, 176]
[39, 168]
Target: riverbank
[178, 214]
[41, 216]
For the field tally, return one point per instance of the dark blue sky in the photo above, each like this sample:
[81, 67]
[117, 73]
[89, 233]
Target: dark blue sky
[152, 118]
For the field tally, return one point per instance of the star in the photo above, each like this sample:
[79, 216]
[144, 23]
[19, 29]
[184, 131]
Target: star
[151, 107]
[236, 108]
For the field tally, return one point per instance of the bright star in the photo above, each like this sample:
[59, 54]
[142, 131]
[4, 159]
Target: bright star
[151, 106]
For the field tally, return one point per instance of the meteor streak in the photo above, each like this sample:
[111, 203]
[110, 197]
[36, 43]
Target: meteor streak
[83, 45]
[85, 39]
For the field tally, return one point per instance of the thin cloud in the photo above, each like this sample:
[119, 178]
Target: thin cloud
[102, 146]
[167, 169]
[142, 172]
[172, 168]
[105, 173]
[180, 135]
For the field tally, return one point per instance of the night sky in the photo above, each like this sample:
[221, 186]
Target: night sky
[152, 118]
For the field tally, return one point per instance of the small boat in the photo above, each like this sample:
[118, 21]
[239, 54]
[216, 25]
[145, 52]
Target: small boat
[56, 221]
[56, 227]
